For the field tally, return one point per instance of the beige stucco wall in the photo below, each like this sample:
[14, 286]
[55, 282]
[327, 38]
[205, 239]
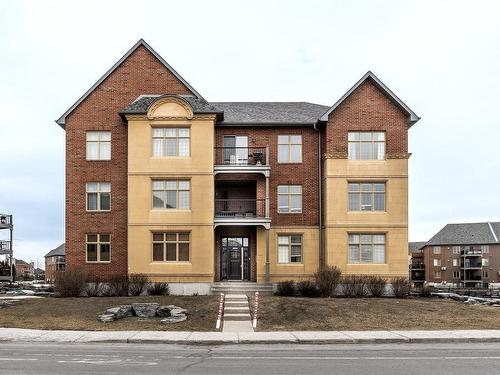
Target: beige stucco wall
[143, 219]
[290, 271]
[393, 222]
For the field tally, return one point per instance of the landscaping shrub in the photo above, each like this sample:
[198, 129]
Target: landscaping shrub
[286, 288]
[327, 279]
[354, 286]
[70, 283]
[307, 289]
[376, 285]
[158, 289]
[118, 285]
[400, 287]
[137, 283]
[94, 287]
[425, 291]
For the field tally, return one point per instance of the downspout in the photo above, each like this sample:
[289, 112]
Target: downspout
[320, 196]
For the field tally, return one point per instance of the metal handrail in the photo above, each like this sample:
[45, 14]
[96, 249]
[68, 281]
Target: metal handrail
[240, 207]
[241, 156]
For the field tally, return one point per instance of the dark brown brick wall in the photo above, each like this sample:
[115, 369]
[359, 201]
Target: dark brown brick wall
[140, 73]
[367, 109]
[305, 173]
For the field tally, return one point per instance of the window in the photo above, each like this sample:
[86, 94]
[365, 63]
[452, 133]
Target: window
[366, 248]
[437, 249]
[455, 263]
[485, 249]
[289, 199]
[456, 274]
[366, 197]
[98, 145]
[98, 248]
[437, 274]
[290, 248]
[171, 247]
[485, 262]
[456, 249]
[170, 142]
[485, 274]
[289, 149]
[437, 262]
[366, 146]
[98, 196]
[171, 194]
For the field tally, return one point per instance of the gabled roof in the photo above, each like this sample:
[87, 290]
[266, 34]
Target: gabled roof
[378, 83]
[58, 251]
[415, 246]
[467, 234]
[62, 120]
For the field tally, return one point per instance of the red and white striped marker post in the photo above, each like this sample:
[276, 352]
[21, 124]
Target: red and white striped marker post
[221, 309]
[255, 310]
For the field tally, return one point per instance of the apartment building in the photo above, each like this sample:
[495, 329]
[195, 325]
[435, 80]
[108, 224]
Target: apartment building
[417, 263]
[162, 182]
[55, 261]
[461, 255]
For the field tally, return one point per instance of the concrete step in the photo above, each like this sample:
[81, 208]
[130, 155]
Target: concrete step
[237, 310]
[236, 304]
[234, 297]
[236, 317]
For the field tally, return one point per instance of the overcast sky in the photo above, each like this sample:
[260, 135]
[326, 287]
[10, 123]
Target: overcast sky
[442, 58]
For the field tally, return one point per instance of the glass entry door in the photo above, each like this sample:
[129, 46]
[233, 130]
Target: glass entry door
[235, 149]
[235, 258]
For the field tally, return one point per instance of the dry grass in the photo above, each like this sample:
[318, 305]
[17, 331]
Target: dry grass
[300, 314]
[80, 314]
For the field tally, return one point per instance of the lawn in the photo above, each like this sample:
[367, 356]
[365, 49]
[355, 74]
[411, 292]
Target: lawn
[80, 314]
[299, 314]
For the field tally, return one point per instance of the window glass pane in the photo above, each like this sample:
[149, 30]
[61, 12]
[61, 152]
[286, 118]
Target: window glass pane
[91, 187]
[245, 241]
[283, 240]
[105, 253]
[296, 153]
[183, 185]
[365, 136]
[104, 237]
[183, 147]
[353, 254]
[296, 239]
[92, 153]
[353, 202]
[366, 187]
[171, 185]
[171, 199]
[157, 252]
[157, 236]
[366, 151]
[283, 153]
[92, 136]
[378, 136]
[296, 139]
[295, 203]
[105, 136]
[379, 202]
[171, 145]
[158, 185]
[91, 237]
[158, 199]
[92, 201]
[283, 254]
[171, 252]
[183, 236]
[378, 254]
[184, 132]
[379, 151]
[157, 132]
[354, 238]
[353, 187]
[353, 153]
[105, 201]
[170, 132]
[105, 150]
[366, 253]
[283, 139]
[184, 252]
[157, 147]
[379, 187]
[366, 202]
[365, 238]
[282, 189]
[283, 203]
[184, 200]
[353, 136]
[171, 236]
[296, 254]
[92, 252]
[295, 189]
[105, 186]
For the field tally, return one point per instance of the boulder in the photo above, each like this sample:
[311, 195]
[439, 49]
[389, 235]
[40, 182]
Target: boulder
[106, 317]
[458, 297]
[145, 310]
[176, 310]
[163, 311]
[174, 319]
[471, 301]
[121, 311]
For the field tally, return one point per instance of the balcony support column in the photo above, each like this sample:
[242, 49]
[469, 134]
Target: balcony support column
[267, 196]
[266, 267]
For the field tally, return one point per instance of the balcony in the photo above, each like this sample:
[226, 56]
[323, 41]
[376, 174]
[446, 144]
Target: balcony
[417, 266]
[5, 221]
[242, 211]
[242, 160]
[471, 253]
[5, 247]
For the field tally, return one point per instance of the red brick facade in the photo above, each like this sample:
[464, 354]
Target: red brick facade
[140, 73]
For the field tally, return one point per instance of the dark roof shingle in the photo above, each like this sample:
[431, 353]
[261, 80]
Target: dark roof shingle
[414, 246]
[466, 234]
[58, 251]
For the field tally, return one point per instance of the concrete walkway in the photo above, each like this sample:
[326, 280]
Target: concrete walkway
[299, 337]
[236, 316]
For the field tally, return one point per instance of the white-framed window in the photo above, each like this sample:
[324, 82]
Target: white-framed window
[456, 263]
[98, 145]
[437, 249]
[171, 142]
[437, 262]
[366, 145]
[171, 247]
[366, 196]
[289, 199]
[98, 248]
[485, 249]
[485, 262]
[98, 196]
[456, 249]
[366, 248]
[289, 248]
[456, 274]
[171, 194]
[437, 274]
[289, 148]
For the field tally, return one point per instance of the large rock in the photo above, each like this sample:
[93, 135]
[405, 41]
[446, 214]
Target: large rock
[176, 310]
[174, 319]
[106, 317]
[145, 310]
[121, 311]
[163, 311]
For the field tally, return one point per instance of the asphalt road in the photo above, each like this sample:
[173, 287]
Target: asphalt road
[408, 359]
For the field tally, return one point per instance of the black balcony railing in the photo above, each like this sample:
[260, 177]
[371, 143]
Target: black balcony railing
[240, 208]
[5, 221]
[241, 156]
[469, 252]
[417, 266]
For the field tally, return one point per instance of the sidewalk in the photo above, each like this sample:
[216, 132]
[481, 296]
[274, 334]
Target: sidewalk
[299, 337]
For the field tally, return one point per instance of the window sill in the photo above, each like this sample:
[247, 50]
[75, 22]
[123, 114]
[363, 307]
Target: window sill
[366, 212]
[289, 264]
[97, 262]
[171, 210]
[97, 211]
[98, 159]
[169, 157]
[290, 213]
[171, 262]
[290, 162]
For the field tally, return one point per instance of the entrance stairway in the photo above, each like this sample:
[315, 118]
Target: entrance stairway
[241, 287]
[236, 316]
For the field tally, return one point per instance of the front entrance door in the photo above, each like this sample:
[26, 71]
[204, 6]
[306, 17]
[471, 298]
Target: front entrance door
[235, 258]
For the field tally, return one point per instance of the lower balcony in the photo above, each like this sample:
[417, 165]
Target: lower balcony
[240, 211]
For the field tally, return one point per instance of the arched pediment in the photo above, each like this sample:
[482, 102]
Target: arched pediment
[170, 107]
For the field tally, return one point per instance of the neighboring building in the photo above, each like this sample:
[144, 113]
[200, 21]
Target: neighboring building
[162, 182]
[465, 255]
[24, 270]
[39, 274]
[54, 261]
[417, 263]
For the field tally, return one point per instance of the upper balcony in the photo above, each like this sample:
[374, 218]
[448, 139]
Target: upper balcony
[471, 252]
[242, 160]
[5, 221]
[417, 266]
[5, 247]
